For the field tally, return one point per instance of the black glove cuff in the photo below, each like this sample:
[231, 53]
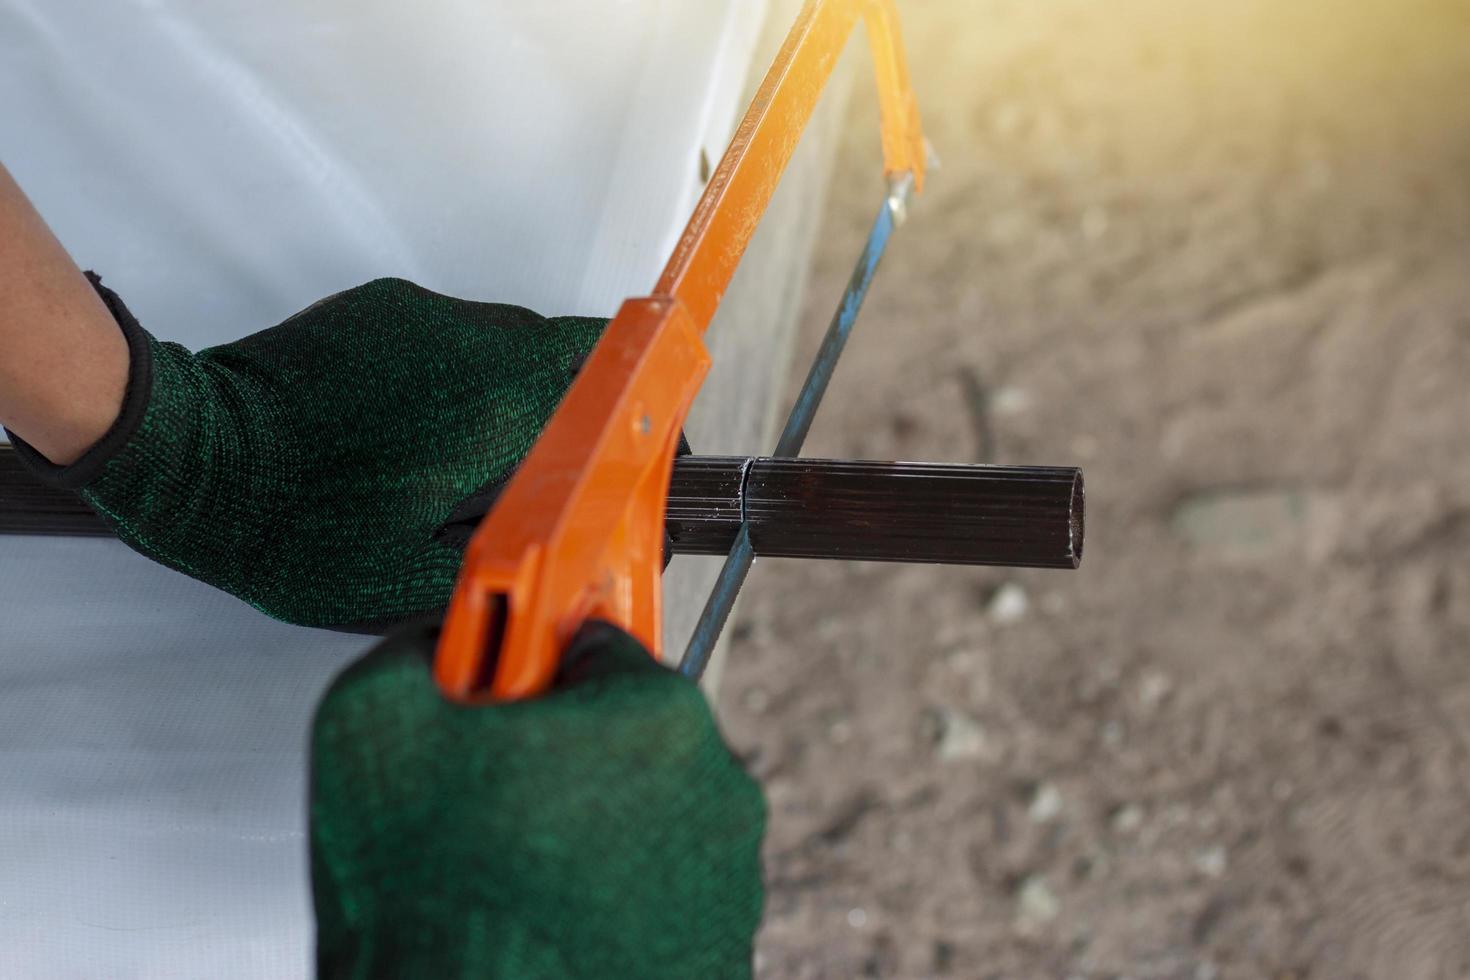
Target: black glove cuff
[134, 405]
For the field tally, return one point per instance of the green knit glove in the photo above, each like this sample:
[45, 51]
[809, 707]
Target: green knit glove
[310, 468]
[603, 830]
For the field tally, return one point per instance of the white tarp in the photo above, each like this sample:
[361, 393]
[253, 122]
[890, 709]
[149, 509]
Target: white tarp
[224, 163]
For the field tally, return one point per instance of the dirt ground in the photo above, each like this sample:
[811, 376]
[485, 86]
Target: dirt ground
[1218, 255]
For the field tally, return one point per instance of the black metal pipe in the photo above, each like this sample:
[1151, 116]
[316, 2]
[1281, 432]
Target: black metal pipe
[1023, 516]
[28, 506]
[1020, 516]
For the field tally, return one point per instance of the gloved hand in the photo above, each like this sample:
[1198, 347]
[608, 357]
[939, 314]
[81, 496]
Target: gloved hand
[308, 468]
[602, 830]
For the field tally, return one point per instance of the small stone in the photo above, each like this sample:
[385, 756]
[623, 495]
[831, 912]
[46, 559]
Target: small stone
[1046, 804]
[1212, 861]
[1036, 900]
[1126, 818]
[1010, 400]
[1281, 790]
[780, 790]
[1008, 604]
[1154, 688]
[857, 918]
[840, 733]
[961, 737]
[1244, 525]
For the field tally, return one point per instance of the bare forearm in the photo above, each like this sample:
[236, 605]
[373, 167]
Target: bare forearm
[63, 361]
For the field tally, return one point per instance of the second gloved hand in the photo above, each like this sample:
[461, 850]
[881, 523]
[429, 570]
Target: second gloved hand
[603, 830]
[309, 468]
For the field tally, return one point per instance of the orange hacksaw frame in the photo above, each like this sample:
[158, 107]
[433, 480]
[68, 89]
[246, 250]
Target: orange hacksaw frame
[578, 531]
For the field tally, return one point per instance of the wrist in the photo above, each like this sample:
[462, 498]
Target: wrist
[86, 410]
[69, 446]
[66, 395]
